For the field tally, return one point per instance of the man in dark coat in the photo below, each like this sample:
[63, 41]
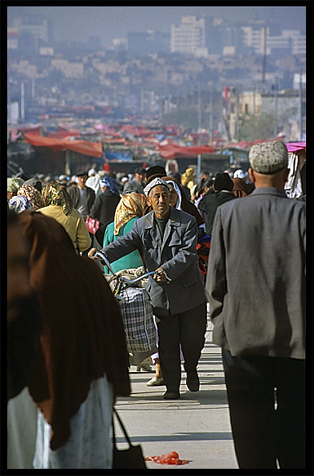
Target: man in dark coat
[223, 186]
[82, 196]
[106, 203]
[167, 239]
[256, 289]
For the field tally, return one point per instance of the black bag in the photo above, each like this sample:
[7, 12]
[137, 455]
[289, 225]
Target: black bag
[130, 458]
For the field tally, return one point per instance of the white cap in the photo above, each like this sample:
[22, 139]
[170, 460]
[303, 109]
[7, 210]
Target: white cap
[92, 172]
[239, 174]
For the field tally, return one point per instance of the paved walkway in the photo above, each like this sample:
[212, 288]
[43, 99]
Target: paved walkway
[196, 426]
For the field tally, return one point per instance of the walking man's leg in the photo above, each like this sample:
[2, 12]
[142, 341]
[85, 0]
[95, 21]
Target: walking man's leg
[291, 413]
[169, 353]
[192, 338]
[250, 390]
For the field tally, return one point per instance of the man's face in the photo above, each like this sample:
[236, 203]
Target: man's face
[139, 177]
[159, 200]
[81, 181]
[18, 285]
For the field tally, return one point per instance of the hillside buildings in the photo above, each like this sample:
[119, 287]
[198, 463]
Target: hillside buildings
[156, 73]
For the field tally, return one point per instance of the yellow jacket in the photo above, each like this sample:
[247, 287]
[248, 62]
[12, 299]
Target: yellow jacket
[73, 224]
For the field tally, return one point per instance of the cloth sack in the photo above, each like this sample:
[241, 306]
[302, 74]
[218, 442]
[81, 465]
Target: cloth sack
[137, 316]
[129, 458]
[130, 273]
[92, 224]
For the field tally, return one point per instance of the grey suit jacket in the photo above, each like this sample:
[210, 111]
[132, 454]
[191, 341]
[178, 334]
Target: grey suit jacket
[176, 253]
[256, 275]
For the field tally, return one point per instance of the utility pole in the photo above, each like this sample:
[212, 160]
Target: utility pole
[210, 125]
[22, 103]
[264, 53]
[33, 88]
[199, 114]
[276, 107]
[300, 98]
[237, 111]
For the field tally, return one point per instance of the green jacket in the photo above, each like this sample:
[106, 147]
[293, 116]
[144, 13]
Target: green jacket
[131, 260]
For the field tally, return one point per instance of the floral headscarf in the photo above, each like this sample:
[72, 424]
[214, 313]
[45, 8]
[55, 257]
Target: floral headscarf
[33, 195]
[14, 183]
[19, 204]
[131, 205]
[56, 194]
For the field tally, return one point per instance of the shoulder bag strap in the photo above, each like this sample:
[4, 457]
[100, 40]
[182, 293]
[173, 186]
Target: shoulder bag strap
[114, 412]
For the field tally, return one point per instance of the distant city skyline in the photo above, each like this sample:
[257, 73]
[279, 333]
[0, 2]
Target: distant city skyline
[80, 23]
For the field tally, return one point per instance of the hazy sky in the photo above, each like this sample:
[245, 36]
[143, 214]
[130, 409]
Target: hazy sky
[79, 23]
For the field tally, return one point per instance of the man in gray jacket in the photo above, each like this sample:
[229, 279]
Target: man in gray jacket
[256, 290]
[167, 239]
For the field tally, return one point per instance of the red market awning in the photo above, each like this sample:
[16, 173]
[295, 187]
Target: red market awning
[93, 149]
[296, 146]
[173, 151]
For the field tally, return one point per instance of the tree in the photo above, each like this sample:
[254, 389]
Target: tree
[254, 127]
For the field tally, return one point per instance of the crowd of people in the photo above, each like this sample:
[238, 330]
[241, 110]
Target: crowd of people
[63, 381]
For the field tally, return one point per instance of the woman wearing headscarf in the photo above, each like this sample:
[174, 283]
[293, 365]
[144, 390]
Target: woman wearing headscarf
[19, 204]
[57, 204]
[33, 195]
[106, 203]
[82, 361]
[13, 184]
[130, 208]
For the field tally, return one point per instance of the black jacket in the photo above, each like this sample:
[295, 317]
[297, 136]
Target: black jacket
[209, 204]
[105, 206]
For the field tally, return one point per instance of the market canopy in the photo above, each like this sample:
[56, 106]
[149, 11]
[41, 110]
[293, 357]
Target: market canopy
[295, 146]
[173, 151]
[93, 149]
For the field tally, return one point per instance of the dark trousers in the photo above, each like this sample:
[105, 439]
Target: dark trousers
[266, 397]
[188, 329]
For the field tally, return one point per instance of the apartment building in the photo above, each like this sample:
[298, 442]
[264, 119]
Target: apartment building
[189, 36]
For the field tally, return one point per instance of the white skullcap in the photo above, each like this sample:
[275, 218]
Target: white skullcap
[154, 183]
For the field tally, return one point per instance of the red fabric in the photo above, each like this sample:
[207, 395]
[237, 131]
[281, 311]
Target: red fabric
[173, 151]
[168, 458]
[248, 144]
[93, 149]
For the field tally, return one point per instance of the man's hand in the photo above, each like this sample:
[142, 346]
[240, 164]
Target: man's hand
[91, 253]
[160, 275]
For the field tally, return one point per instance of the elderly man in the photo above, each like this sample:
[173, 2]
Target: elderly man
[167, 239]
[256, 291]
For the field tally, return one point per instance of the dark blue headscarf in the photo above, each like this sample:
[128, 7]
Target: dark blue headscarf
[111, 183]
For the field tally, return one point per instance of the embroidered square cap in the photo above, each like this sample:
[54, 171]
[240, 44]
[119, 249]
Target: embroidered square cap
[268, 157]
